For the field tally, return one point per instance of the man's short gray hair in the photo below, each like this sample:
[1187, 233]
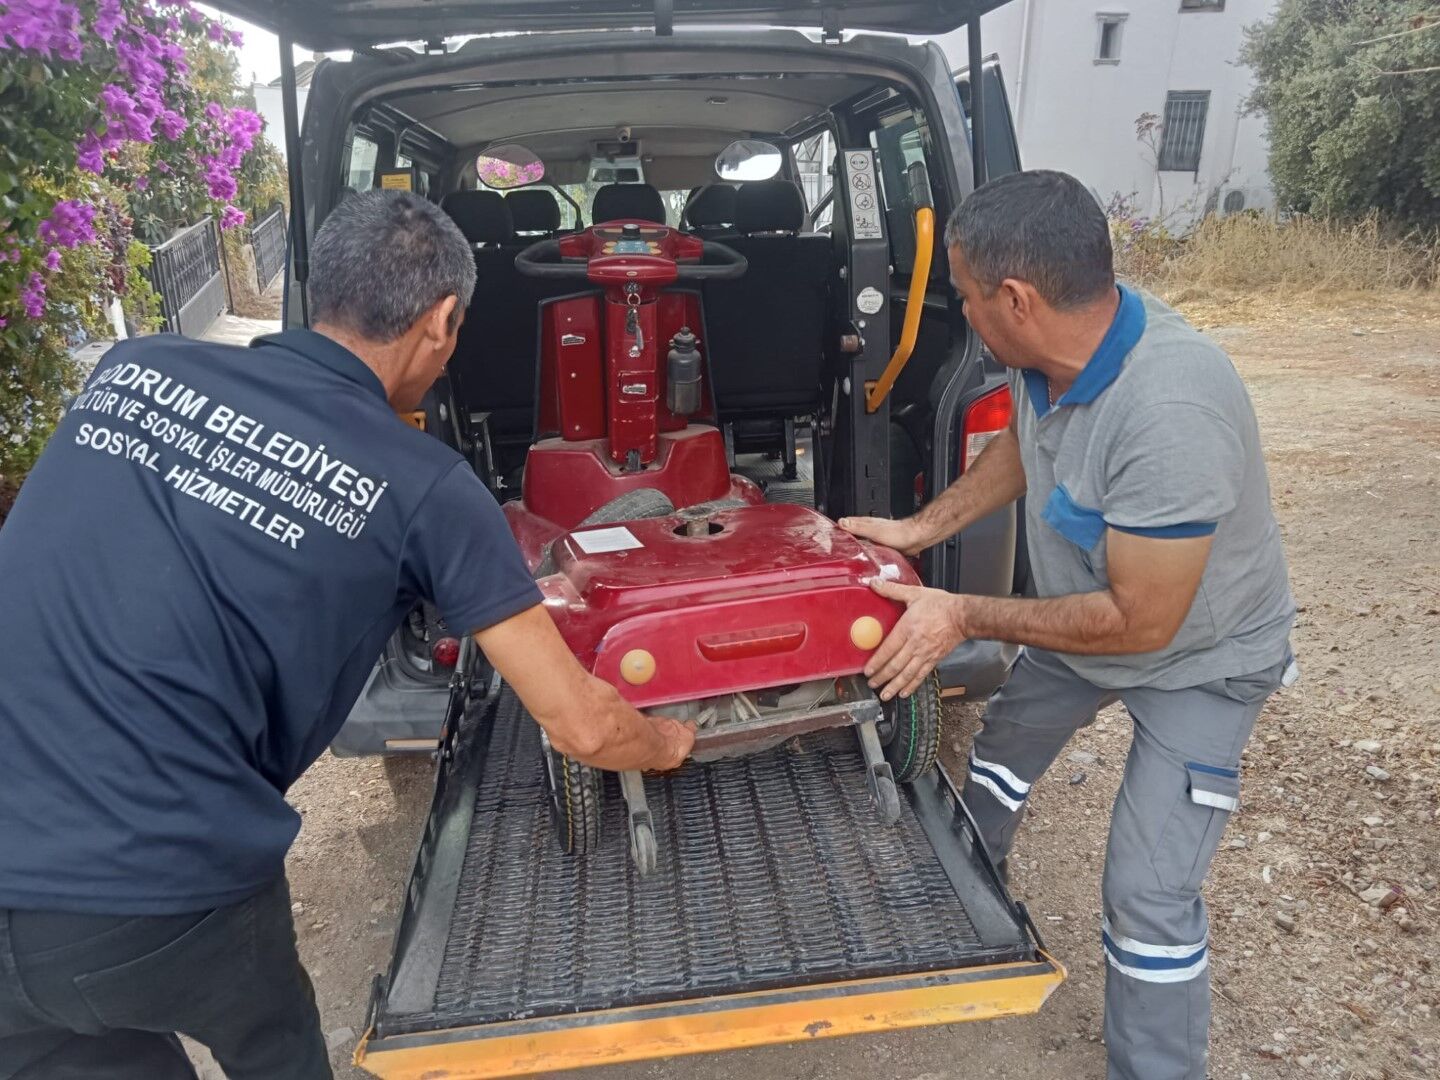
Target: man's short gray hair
[1043, 227]
[382, 259]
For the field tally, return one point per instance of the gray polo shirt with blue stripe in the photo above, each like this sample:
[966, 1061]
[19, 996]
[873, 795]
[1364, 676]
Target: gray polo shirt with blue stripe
[1157, 436]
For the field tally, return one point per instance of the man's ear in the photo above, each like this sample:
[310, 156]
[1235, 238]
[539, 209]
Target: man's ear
[438, 321]
[1019, 298]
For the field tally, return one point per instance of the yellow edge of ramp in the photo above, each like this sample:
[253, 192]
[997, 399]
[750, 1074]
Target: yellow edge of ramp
[705, 1025]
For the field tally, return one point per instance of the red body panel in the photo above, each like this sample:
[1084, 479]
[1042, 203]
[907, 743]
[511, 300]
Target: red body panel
[768, 600]
[572, 369]
[566, 481]
[632, 379]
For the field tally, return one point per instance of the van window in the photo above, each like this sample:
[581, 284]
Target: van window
[361, 171]
[814, 160]
[899, 144]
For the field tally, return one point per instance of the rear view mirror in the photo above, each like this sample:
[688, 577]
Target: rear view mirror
[617, 170]
[509, 166]
[748, 159]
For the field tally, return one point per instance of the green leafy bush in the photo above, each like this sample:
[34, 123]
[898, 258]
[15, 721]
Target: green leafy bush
[1351, 89]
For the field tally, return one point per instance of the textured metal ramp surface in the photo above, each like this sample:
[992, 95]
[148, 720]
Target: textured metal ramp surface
[773, 871]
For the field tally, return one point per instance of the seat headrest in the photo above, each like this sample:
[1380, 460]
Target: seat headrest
[534, 210]
[769, 206]
[639, 202]
[482, 216]
[714, 205]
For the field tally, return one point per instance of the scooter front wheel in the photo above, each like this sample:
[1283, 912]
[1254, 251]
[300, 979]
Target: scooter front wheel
[910, 731]
[577, 797]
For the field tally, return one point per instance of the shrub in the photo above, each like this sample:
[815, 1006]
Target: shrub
[1351, 90]
[106, 118]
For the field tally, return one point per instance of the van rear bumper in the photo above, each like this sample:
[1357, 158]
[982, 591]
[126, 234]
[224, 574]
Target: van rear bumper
[980, 667]
[705, 1025]
[394, 714]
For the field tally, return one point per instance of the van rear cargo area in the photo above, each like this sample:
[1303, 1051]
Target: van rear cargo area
[776, 883]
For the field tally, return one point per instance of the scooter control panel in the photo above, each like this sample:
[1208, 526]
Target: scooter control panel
[626, 252]
[632, 239]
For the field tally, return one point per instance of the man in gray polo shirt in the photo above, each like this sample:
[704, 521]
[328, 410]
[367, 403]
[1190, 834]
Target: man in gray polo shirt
[1159, 581]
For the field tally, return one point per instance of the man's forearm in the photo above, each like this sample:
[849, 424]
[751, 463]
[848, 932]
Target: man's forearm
[585, 717]
[996, 479]
[1088, 624]
[611, 735]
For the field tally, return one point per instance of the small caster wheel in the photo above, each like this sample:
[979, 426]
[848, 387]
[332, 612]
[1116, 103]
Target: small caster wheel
[910, 731]
[643, 849]
[887, 799]
[576, 797]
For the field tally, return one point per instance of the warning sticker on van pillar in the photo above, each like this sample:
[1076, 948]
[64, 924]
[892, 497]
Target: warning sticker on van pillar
[864, 195]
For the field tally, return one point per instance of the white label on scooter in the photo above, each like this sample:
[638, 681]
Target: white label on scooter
[869, 301]
[599, 541]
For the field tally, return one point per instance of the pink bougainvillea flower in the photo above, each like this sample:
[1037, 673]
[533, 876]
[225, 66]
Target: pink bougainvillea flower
[214, 110]
[142, 183]
[89, 154]
[32, 296]
[52, 260]
[215, 32]
[72, 222]
[232, 216]
[172, 125]
[47, 27]
[134, 120]
[162, 167]
[108, 19]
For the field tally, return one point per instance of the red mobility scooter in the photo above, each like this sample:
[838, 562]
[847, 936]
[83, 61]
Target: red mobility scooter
[668, 576]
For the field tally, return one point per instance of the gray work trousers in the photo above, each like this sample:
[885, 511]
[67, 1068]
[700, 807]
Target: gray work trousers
[1181, 783]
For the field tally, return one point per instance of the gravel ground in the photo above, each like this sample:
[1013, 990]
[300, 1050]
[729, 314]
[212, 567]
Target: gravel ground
[1324, 899]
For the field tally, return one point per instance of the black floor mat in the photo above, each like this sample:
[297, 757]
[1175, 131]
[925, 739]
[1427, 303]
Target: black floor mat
[769, 473]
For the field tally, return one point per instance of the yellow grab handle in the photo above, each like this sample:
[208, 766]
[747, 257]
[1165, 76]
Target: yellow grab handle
[914, 304]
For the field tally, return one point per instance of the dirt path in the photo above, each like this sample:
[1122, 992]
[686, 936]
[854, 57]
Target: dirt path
[1341, 779]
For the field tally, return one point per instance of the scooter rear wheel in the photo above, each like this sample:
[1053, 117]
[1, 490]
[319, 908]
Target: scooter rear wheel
[910, 732]
[577, 797]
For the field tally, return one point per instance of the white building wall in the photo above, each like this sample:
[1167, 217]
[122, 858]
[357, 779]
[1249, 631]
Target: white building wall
[1074, 114]
[269, 103]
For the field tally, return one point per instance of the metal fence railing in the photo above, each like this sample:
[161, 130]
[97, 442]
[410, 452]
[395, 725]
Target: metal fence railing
[185, 271]
[267, 236]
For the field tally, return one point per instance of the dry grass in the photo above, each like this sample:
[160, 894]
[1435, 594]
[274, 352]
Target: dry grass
[1243, 253]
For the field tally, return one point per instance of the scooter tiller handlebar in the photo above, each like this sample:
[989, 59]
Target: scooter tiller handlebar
[543, 260]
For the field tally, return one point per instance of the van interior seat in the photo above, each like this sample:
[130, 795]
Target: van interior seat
[767, 327]
[493, 367]
[637, 202]
[710, 215]
[535, 213]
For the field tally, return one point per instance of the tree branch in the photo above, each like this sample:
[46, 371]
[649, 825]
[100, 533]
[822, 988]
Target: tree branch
[1403, 33]
[1411, 71]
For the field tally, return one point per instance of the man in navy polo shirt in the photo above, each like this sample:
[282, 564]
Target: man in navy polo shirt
[197, 577]
[1158, 576]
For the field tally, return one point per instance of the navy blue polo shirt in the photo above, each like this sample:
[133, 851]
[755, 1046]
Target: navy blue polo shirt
[196, 578]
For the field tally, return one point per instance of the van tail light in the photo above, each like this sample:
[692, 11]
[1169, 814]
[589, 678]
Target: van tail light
[445, 652]
[984, 418]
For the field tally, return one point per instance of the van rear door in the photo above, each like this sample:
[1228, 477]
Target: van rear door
[348, 24]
